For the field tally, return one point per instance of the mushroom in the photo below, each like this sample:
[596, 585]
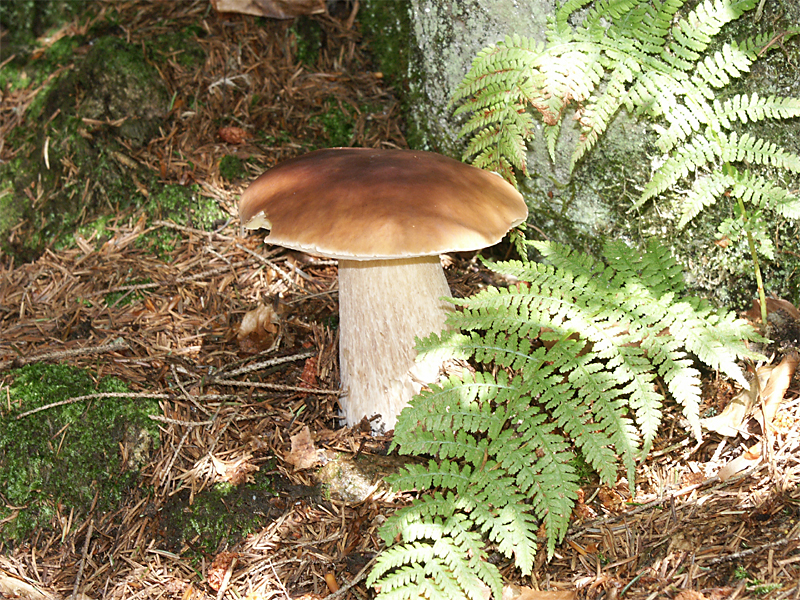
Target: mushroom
[386, 215]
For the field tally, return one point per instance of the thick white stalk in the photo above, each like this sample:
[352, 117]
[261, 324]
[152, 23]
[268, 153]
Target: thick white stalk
[383, 306]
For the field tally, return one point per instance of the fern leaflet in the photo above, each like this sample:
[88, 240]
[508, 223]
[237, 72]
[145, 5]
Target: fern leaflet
[571, 354]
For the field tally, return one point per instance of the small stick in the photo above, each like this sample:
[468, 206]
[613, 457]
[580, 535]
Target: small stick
[749, 551]
[280, 583]
[269, 363]
[93, 397]
[186, 394]
[59, 354]
[226, 579]
[178, 422]
[175, 456]
[270, 264]
[156, 284]
[276, 386]
[185, 229]
[83, 559]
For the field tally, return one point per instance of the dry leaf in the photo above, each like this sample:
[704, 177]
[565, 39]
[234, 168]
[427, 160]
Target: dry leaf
[303, 453]
[258, 329]
[308, 379]
[273, 9]
[515, 592]
[17, 588]
[773, 305]
[744, 461]
[775, 389]
[219, 568]
[690, 595]
[233, 135]
[730, 421]
[772, 396]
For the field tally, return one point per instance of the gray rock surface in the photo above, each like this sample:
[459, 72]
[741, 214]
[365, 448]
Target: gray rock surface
[431, 46]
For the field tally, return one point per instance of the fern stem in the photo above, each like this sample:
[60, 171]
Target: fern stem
[762, 298]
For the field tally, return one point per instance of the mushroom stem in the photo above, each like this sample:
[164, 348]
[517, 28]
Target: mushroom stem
[383, 306]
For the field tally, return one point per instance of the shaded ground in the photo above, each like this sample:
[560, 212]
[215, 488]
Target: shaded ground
[170, 325]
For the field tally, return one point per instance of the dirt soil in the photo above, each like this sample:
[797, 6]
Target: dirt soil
[232, 401]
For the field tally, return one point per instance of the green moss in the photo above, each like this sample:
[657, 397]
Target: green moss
[231, 167]
[67, 455]
[307, 35]
[180, 45]
[121, 84]
[126, 297]
[218, 518]
[112, 83]
[337, 125]
[387, 28]
[183, 205]
[25, 20]
[23, 72]
[283, 138]
[10, 211]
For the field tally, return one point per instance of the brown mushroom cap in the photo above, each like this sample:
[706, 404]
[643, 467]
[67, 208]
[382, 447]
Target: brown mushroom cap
[362, 204]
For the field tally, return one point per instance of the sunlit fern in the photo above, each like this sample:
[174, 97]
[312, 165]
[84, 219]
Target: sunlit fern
[569, 357]
[637, 55]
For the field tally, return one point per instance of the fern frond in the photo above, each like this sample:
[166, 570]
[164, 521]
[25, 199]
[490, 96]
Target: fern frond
[683, 122]
[691, 35]
[578, 352]
[736, 148]
[705, 192]
[601, 110]
[572, 351]
[496, 92]
[763, 193]
[433, 570]
[696, 153]
[559, 30]
[714, 339]
[654, 29]
[550, 481]
[439, 526]
[731, 61]
[514, 531]
[744, 108]
[422, 520]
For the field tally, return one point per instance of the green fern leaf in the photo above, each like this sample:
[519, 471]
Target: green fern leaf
[744, 108]
[696, 153]
[550, 480]
[705, 192]
[736, 148]
[514, 531]
[437, 570]
[732, 60]
[764, 193]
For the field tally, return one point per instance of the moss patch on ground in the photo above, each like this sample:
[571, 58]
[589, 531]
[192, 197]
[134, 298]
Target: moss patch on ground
[67, 457]
[33, 18]
[183, 205]
[79, 129]
[232, 167]
[73, 167]
[338, 126]
[218, 517]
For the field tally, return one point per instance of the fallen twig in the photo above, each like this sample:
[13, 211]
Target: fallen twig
[20, 361]
[97, 396]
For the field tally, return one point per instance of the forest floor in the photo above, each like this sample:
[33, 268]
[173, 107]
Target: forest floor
[232, 401]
